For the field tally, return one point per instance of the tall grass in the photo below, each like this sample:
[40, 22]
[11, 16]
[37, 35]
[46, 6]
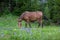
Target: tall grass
[9, 30]
[8, 21]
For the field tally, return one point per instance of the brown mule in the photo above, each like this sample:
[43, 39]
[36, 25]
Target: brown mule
[30, 16]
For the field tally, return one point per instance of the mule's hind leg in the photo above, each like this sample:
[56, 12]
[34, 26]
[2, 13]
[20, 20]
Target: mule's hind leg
[40, 22]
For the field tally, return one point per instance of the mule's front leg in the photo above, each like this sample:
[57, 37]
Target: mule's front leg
[29, 25]
[28, 22]
[38, 24]
[25, 24]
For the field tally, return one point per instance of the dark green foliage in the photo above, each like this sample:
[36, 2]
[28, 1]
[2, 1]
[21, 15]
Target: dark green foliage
[54, 10]
[51, 9]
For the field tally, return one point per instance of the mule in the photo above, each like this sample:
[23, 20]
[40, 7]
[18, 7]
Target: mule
[30, 17]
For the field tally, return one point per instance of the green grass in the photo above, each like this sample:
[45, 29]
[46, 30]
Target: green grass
[9, 30]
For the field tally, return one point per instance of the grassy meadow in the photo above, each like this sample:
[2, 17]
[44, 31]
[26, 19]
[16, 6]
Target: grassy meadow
[9, 30]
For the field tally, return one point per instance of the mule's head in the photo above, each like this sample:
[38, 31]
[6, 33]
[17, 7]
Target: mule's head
[19, 22]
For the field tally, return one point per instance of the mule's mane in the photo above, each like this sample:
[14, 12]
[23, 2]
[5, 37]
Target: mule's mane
[21, 16]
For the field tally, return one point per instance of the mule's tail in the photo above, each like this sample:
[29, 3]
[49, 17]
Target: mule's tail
[46, 18]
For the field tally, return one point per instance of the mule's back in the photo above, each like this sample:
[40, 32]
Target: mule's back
[32, 15]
